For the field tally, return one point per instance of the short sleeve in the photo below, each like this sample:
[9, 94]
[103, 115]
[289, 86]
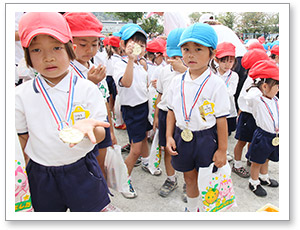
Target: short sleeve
[170, 97]
[221, 100]
[20, 119]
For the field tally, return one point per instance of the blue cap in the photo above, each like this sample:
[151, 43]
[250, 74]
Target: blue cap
[200, 33]
[119, 34]
[172, 42]
[130, 31]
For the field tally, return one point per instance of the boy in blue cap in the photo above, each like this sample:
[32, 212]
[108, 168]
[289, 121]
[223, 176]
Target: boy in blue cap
[196, 122]
[131, 80]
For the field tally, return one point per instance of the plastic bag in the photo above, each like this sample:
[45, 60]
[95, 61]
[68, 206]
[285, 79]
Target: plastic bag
[216, 188]
[118, 114]
[155, 154]
[116, 170]
[152, 96]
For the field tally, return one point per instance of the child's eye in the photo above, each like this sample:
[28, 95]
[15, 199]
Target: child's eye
[185, 49]
[35, 50]
[198, 49]
[82, 45]
[58, 48]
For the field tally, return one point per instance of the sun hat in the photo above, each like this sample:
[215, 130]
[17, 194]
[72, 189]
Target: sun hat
[201, 33]
[155, 46]
[172, 42]
[261, 39]
[207, 18]
[130, 31]
[256, 45]
[54, 24]
[225, 49]
[84, 24]
[253, 56]
[264, 69]
[106, 41]
[119, 34]
[275, 50]
[114, 41]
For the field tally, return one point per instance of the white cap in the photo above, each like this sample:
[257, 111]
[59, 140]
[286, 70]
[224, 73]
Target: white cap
[206, 18]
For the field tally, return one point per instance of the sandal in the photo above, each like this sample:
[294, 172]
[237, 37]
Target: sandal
[242, 172]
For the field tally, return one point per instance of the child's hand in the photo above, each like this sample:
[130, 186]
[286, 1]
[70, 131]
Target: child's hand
[97, 74]
[220, 158]
[171, 146]
[177, 65]
[153, 82]
[87, 126]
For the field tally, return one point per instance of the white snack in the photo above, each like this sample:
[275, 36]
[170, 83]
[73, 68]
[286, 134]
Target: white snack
[71, 135]
[137, 49]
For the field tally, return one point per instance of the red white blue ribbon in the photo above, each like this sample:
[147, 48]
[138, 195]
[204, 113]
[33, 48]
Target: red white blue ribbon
[187, 118]
[80, 74]
[271, 114]
[228, 78]
[55, 114]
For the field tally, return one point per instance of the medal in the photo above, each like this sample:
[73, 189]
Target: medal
[71, 135]
[275, 140]
[137, 49]
[187, 134]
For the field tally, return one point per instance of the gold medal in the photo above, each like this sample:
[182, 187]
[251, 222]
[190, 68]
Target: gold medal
[275, 141]
[137, 49]
[187, 135]
[71, 135]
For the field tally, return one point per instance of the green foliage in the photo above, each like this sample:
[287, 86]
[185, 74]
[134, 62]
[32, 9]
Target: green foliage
[227, 19]
[151, 25]
[127, 16]
[194, 17]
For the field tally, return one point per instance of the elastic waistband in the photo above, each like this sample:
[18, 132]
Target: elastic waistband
[136, 106]
[268, 134]
[201, 132]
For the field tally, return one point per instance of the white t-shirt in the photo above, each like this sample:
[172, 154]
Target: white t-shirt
[103, 87]
[225, 34]
[173, 20]
[137, 93]
[33, 116]
[260, 112]
[213, 101]
[165, 77]
[242, 100]
[100, 58]
[231, 79]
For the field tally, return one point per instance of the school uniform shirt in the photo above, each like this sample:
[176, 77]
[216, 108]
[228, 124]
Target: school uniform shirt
[213, 101]
[100, 58]
[241, 99]
[165, 76]
[259, 110]
[33, 116]
[137, 93]
[231, 79]
[103, 87]
[151, 68]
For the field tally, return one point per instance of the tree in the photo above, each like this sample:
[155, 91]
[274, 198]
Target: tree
[151, 25]
[227, 19]
[195, 16]
[252, 22]
[127, 16]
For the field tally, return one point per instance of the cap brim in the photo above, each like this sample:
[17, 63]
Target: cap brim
[174, 52]
[86, 33]
[129, 35]
[117, 34]
[58, 36]
[194, 40]
[225, 54]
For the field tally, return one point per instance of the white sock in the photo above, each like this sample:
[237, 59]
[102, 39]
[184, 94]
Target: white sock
[264, 177]
[172, 178]
[192, 204]
[238, 164]
[254, 182]
[145, 160]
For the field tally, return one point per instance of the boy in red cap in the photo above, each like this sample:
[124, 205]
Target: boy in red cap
[86, 31]
[63, 171]
[264, 104]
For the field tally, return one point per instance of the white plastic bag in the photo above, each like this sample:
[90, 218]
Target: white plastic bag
[155, 154]
[216, 189]
[116, 170]
[118, 115]
[152, 96]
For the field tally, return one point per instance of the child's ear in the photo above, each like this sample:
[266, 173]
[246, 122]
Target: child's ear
[213, 53]
[122, 44]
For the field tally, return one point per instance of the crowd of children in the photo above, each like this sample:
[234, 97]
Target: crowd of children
[83, 80]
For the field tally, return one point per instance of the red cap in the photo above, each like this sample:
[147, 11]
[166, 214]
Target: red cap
[156, 46]
[106, 41]
[275, 50]
[84, 24]
[114, 41]
[261, 39]
[256, 45]
[51, 23]
[264, 69]
[253, 56]
[225, 49]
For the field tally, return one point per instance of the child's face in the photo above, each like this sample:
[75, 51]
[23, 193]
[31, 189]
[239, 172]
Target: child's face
[86, 48]
[270, 92]
[196, 57]
[225, 65]
[49, 57]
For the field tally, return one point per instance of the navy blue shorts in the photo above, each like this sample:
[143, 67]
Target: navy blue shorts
[261, 147]
[196, 153]
[136, 120]
[231, 123]
[111, 86]
[107, 140]
[79, 186]
[162, 121]
[246, 126]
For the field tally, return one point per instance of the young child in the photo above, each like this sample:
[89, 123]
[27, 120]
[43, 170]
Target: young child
[86, 30]
[165, 77]
[265, 109]
[225, 57]
[275, 54]
[198, 103]
[131, 79]
[61, 175]
[246, 124]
